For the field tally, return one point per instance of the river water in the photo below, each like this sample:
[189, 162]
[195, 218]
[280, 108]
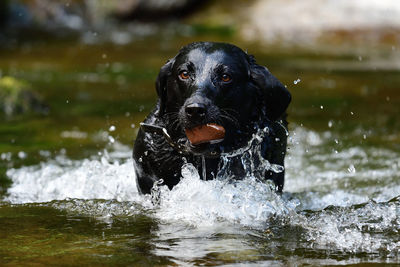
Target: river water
[68, 186]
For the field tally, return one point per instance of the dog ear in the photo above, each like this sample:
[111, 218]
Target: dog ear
[275, 94]
[161, 84]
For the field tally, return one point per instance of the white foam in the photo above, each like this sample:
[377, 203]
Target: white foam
[317, 178]
[62, 179]
[247, 202]
[367, 229]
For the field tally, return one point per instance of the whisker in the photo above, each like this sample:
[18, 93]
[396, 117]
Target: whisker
[230, 110]
[227, 113]
[230, 118]
[175, 123]
[174, 113]
[173, 119]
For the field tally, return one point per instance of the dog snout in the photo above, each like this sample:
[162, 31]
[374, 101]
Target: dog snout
[196, 111]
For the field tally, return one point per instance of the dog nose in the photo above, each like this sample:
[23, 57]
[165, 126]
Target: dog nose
[196, 111]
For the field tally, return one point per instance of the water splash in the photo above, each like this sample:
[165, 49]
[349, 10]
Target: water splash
[369, 228]
[197, 202]
[336, 210]
[251, 160]
[107, 177]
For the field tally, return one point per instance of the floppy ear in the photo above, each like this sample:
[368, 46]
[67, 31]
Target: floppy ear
[276, 96]
[161, 84]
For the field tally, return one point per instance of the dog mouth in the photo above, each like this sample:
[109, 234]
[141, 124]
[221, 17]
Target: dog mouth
[210, 133]
[208, 145]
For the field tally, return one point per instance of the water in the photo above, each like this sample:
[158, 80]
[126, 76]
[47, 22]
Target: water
[67, 185]
[321, 214]
[251, 160]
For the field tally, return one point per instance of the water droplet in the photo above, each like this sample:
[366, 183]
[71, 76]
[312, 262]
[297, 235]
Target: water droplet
[330, 124]
[351, 169]
[6, 156]
[112, 128]
[322, 107]
[45, 153]
[189, 171]
[296, 81]
[22, 155]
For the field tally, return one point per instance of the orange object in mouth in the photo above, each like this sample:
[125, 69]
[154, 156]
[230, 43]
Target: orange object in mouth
[208, 133]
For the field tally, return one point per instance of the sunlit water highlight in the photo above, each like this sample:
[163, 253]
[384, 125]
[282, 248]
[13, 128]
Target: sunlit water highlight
[339, 200]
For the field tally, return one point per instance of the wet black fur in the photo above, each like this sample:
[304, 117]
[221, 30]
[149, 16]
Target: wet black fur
[253, 98]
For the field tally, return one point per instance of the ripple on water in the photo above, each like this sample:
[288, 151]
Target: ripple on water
[330, 207]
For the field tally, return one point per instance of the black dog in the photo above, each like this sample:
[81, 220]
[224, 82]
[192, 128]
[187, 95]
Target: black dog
[210, 83]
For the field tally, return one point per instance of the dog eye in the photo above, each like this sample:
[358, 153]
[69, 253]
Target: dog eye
[184, 75]
[226, 78]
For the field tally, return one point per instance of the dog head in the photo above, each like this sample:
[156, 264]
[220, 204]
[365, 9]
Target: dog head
[218, 83]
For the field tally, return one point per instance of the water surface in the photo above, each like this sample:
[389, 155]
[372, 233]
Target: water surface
[68, 192]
